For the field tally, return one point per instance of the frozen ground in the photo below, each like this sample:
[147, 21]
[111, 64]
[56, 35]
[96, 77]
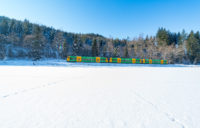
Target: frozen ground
[60, 63]
[99, 97]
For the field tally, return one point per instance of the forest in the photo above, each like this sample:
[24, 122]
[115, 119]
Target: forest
[26, 40]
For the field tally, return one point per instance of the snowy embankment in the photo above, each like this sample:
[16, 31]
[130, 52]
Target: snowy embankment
[99, 97]
[61, 62]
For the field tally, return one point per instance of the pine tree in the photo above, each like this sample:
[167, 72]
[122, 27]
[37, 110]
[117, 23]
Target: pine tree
[11, 26]
[162, 36]
[4, 28]
[2, 48]
[65, 49]
[75, 47]
[182, 37]
[26, 27]
[37, 44]
[95, 51]
[126, 54]
[172, 38]
[193, 47]
[197, 35]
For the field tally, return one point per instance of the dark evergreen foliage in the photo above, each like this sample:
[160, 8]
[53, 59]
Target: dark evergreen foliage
[22, 39]
[95, 48]
[193, 47]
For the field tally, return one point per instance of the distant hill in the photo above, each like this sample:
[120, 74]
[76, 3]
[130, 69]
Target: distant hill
[22, 39]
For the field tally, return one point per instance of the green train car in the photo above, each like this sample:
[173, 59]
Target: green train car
[114, 60]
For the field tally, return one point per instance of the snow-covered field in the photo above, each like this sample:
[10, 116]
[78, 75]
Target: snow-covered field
[99, 97]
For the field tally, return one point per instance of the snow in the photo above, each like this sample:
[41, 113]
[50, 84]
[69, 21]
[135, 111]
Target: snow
[59, 95]
[61, 63]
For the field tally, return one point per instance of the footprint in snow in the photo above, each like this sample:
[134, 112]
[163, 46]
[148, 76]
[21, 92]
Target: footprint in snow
[6, 96]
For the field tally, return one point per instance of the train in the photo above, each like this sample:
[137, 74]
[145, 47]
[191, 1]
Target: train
[86, 59]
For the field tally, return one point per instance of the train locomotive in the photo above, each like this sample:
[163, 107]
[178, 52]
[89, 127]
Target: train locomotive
[114, 60]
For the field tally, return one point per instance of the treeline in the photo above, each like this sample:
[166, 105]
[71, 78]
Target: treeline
[22, 39]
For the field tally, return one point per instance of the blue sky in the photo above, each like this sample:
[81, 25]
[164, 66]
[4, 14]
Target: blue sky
[110, 18]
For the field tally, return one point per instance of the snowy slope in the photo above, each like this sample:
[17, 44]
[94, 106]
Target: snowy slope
[99, 97]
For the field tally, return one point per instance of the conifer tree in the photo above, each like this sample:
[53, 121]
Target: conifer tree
[193, 47]
[126, 54]
[26, 27]
[65, 49]
[162, 36]
[75, 47]
[95, 48]
[37, 43]
[2, 49]
[183, 37]
[4, 28]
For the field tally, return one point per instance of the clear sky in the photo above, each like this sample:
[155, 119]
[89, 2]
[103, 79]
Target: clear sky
[110, 18]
